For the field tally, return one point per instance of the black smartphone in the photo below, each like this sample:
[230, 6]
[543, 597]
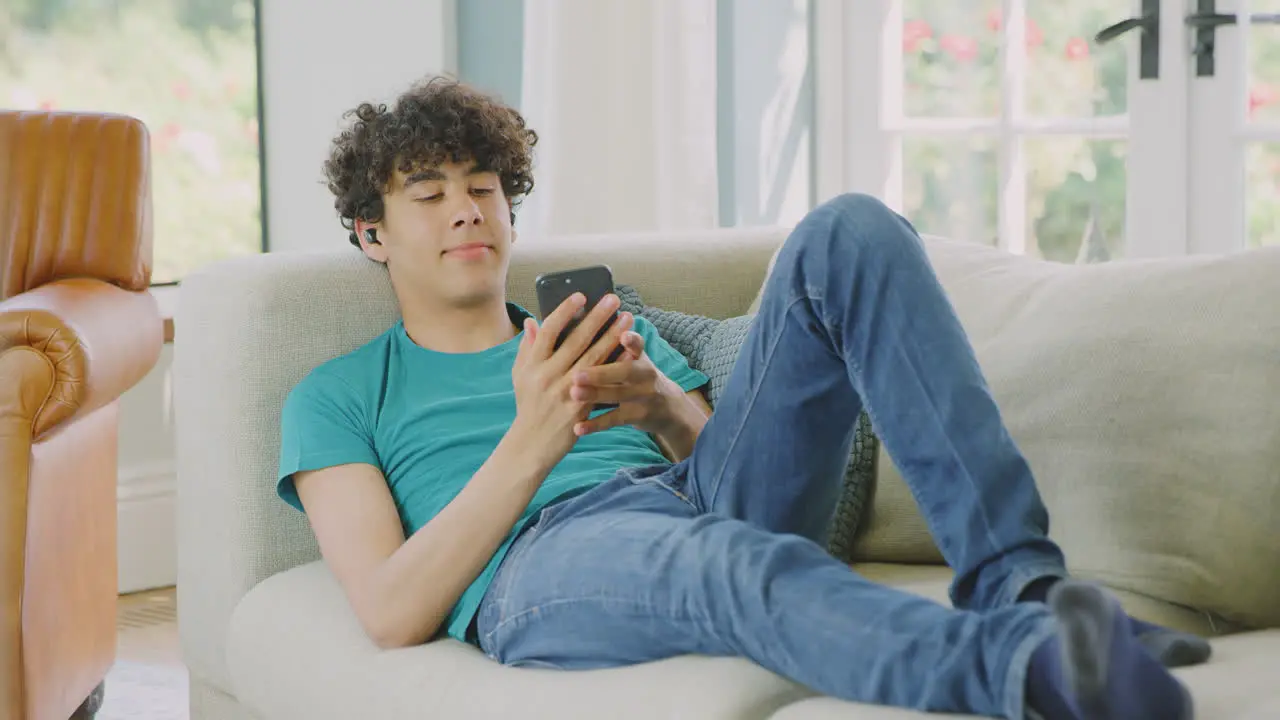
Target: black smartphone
[594, 282]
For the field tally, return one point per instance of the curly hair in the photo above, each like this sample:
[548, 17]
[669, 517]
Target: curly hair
[436, 121]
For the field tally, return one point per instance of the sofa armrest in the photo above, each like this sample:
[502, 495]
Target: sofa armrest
[66, 349]
[251, 327]
[98, 339]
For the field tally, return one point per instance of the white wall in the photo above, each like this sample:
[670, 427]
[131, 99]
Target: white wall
[147, 549]
[320, 58]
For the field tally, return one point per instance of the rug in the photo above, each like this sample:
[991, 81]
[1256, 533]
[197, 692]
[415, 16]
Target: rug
[141, 691]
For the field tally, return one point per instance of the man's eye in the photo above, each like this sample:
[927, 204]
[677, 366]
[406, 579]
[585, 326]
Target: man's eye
[429, 198]
[482, 191]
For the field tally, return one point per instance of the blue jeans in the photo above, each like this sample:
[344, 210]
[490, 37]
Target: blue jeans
[720, 554]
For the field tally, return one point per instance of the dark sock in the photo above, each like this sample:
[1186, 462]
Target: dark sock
[1046, 693]
[1100, 672]
[1171, 647]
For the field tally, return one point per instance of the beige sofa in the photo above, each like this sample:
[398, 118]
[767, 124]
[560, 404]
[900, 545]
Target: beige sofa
[1145, 394]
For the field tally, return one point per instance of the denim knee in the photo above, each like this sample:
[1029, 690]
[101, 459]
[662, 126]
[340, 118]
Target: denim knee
[853, 227]
[861, 206]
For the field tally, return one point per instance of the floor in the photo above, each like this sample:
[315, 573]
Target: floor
[148, 680]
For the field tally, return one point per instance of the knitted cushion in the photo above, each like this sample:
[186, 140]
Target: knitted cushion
[711, 347]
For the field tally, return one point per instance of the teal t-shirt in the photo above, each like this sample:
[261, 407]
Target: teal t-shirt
[428, 420]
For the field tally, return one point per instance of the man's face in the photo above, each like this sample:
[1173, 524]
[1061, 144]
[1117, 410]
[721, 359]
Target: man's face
[445, 234]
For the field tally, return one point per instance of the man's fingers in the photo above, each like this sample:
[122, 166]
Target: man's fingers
[604, 394]
[600, 349]
[556, 322]
[526, 341]
[579, 340]
[634, 343]
[614, 418]
[613, 373]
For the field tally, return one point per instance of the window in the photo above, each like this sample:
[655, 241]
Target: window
[1005, 122]
[189, 70]
[995, 122]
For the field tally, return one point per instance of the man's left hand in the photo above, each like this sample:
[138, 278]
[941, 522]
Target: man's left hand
[646, 398]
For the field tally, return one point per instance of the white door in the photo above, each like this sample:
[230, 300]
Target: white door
[1006, 122]
[1234, 131]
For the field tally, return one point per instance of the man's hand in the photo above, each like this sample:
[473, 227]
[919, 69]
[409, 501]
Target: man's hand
[546, 413]
[646, 399]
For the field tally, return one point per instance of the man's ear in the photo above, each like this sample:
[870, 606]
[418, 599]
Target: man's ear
[368, 235]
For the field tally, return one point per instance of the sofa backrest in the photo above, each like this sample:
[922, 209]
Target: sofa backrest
[251, 328]
[1146, 397]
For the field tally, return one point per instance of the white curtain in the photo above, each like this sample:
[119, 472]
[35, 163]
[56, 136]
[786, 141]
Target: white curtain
[622, 94]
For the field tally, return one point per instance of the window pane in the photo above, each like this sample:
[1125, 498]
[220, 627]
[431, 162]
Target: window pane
[188, 69]
[1068, 75]
[1262, 189]
[1263, 99]
[951, 58]
[949, 187]
[1076, 198]
[1262, 159]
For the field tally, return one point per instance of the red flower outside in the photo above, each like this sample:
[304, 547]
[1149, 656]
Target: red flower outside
[913, 33]
[1262, 95]
[1077, 49]
[961, 47]
[1035, 36]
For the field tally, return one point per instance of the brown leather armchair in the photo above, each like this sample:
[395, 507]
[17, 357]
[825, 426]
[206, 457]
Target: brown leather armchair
[77, 328]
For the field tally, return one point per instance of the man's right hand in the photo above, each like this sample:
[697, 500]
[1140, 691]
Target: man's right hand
[545, 413]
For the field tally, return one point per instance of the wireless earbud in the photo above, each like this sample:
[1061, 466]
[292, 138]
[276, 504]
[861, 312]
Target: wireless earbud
[371, 236]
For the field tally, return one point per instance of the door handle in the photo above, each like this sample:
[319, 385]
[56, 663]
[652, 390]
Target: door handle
[1206, 21]
[1149, 45]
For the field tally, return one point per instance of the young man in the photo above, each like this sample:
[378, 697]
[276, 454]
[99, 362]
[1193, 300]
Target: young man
[458, 482]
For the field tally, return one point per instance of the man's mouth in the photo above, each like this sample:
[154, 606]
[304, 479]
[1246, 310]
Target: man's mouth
[469, 250]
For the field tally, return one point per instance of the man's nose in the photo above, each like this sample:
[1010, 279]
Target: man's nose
[468, 213]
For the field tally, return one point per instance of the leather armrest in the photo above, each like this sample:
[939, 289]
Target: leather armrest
[100, 340]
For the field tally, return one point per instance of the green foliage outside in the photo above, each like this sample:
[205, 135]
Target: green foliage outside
[188, 69]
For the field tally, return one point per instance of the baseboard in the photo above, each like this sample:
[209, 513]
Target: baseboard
[147, 536]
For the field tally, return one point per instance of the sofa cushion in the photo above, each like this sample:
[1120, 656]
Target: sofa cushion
[825, 708]
[1237, 684]
[933, 581]
[295, 650]
[1146, 396]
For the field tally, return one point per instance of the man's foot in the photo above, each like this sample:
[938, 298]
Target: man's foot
[1095, 669]
[1172, 648]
